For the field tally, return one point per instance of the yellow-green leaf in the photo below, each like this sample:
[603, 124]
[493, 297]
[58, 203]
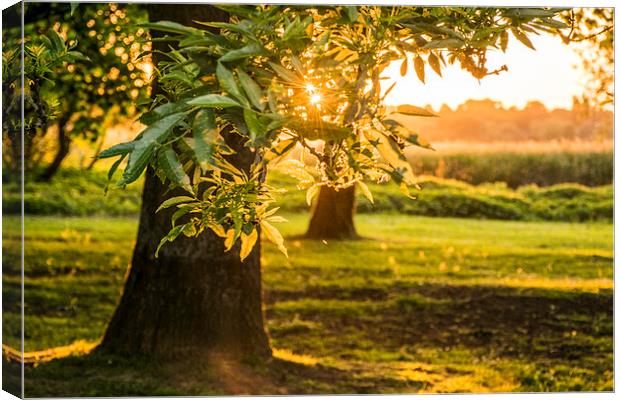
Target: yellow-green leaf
[247, 243]
[418, 64]
[284, 73]
[365, 191]
[415, 111]
[173, 201]
[218, 230]
[274, 236]
[522, 37]
[403, 67]
[433, 61]
[503, 40]
[311, 193]
[230, 239]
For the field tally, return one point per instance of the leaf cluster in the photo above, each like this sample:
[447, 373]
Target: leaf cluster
[286, 77]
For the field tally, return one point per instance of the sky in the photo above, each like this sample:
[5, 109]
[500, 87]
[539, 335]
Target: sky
[548, 75]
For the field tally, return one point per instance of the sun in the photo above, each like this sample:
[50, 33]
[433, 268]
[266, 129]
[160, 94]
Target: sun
[315, 98]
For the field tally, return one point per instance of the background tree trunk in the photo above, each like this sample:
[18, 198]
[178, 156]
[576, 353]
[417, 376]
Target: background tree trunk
[64, 144]
[194, 298]
[332, 215]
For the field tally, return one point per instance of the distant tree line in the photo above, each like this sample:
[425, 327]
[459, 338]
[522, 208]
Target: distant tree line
[488, 121]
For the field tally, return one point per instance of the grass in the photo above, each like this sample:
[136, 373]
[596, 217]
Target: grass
[81, 193]
[422, 305]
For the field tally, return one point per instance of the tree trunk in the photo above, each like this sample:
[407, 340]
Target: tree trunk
[332, 215]
[64, 144]
[194, 299]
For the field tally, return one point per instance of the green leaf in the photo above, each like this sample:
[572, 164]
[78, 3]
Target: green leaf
[112, 170]
[414, 138]
[418, 64]
[74, 7]
[172, 27]
[164, 110]
[529, 12]
[73, 56]
[285, 74]
[181, 211]
[173, 201]
[251, 88]
[205, 135]
[451, 43]
[352, 13]
[170, 164]
[251, 50]
[117, 150]
[522, 37]
[58, 43]
[231, 27]
[552, 23]
[255, 127]
[173, 234]
[227, 81]
[145, 146]
[415, 111]
[389, 150]
[214, 101]
[318, 129]
[503, 40]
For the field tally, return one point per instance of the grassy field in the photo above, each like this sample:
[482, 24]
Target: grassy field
[422, 305]
[81, 193]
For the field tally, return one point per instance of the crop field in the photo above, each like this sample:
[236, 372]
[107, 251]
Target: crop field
[518, 164]
[419, 305]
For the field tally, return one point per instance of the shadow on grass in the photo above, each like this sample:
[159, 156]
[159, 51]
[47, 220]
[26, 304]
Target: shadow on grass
[95, 374]
[556, 339]
[400, 338]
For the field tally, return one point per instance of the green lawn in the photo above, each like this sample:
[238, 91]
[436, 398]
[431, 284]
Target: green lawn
[421, 305]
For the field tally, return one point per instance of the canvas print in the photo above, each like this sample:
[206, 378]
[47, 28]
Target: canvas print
[266, 199]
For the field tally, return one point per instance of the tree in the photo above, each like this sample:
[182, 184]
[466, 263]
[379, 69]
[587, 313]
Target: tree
[194, 297]
[235, 99]
[592, 29]
[333, 211]
[44, 58]
[90, 92]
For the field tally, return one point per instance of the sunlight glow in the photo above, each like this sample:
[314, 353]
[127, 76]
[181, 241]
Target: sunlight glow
[552, 74]
[315, 98]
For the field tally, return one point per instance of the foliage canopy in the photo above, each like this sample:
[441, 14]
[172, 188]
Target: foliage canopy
[287, 76]
[83, 91]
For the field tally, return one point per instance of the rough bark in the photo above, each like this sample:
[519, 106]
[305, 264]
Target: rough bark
[194, 299]
[332, 215]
